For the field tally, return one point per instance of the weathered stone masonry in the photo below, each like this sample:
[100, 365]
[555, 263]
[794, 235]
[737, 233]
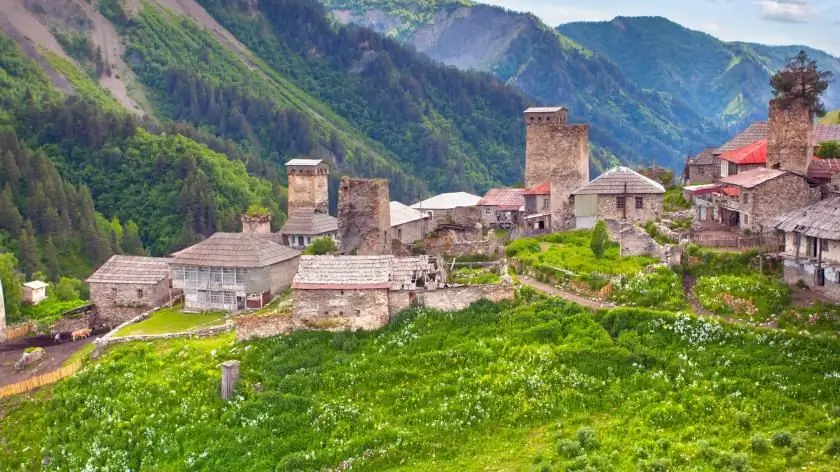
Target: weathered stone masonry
[790, 140]
[342, 309]
[364, 217]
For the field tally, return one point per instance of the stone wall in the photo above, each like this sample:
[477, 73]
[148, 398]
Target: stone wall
[776, 197]
[408, 233]
[651, 207]
[308, 188]
[458, 298]
[635, 241]
[791, 275]
[256, 224]
[457, 243]
[559, 151]
[790, 139]
[700, 174]
[119, 302]
[341, 309]
[262, 326]
[282, 275]
[364, 216]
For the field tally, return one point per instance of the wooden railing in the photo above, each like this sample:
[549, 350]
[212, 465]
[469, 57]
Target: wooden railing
[41, 380]
[15, 332]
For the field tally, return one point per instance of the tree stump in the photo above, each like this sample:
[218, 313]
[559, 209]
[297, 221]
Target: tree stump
[230, 374]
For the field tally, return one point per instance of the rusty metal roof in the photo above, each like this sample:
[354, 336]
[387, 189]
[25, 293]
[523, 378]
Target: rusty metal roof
[620, 180]
[131, 270]
[251, 250]
[539, 189]
[753, 178]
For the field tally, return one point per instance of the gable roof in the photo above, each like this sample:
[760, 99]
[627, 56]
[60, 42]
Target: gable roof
[343, 272]
[304, 162]
[826, 133]
[544, 109]
[307, 222]
[503, 198]
[235, 250]
[755, 153]
[613, 181]
[823, 169]
[402, 214]
[753, 177]
[448, 201]
[703, 158]
[539, 189]
[131, 270]
[404, 270]
[36, 284]
[820, 220]
[754, 132]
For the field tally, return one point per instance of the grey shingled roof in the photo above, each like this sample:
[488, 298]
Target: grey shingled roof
[307, 223]
[820, 220]
[704, 158]
[403, 270]
[131, 270]
[754, 132]
[335, 272]
[753, 177]
[613, 181]
[402, 214]
[235, 250]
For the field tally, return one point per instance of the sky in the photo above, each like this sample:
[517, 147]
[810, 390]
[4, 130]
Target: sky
[814, 23]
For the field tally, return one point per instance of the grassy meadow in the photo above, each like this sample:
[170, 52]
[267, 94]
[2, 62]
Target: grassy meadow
[173, 320]
[532, 385]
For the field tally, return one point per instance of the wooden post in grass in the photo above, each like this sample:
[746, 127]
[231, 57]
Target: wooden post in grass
[230, 374]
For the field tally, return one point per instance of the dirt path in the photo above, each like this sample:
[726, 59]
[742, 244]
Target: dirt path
[554, 291]
[56, 355]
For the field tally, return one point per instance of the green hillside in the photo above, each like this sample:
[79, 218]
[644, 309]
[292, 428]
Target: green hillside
[630, 119]
[542, 386]
[831, 118]
[725, 81]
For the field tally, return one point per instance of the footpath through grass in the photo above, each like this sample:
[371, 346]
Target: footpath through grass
[535, 386]
[173, 320]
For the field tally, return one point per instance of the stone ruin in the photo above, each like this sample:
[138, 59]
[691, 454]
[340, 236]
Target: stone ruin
[364, 217]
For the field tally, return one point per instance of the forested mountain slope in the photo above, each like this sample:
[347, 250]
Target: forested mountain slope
[633, 123]
[727, 81]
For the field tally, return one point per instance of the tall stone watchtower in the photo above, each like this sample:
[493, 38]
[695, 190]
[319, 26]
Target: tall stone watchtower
[558, 152]
[364, 217]
[308, 185]
[790, 142]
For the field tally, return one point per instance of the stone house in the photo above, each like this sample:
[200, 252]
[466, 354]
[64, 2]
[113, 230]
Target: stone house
[125, 286]
[233, 271]
[307, 225]
[750, 199]
[811, 249]
[449, 207]
[619, 193]
[407, 224]
[537, 207]
[699, 169]
[35, 292]
[502, 207]
[749, 157]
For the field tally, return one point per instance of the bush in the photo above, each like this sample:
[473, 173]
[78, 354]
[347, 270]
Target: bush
[587, 438]
[599, 240]
[833, 447]
[70, 289]
[568, 448]
[321, 246]
[660, 289]
[743, 420]
[782, 439]
[759, 444]
[753, 295]
[522, 247]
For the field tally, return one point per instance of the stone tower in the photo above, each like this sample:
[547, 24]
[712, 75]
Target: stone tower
[790, 142]
[558, 152]
[364, 217]
[256, 224]
[308, 185]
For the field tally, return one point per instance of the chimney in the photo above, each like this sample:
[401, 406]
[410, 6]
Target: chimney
[791, 135]
[256, 224]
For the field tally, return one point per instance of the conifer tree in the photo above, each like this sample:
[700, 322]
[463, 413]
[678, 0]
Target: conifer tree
[131, 239]
[51, 260]
[11, 171]
[599, 240]
[10, 218]
[12, 289]
[28, 250]
[801, 81]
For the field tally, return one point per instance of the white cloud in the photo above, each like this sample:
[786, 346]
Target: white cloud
[788, 11]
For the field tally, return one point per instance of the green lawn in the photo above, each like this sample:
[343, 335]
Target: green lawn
[169, 320]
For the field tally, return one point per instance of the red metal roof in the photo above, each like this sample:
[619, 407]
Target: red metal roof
[731, 191]
[539, 189]
[823, 169]
[503, 198]
[755, 153]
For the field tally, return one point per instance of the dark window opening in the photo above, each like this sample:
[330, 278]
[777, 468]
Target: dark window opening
[139, 293]
[619, 202]
[640, 202]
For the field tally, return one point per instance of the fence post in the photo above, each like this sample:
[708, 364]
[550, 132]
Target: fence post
[230, 374]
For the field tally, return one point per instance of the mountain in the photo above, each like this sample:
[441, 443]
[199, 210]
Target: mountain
[723, 81]
[631, 122]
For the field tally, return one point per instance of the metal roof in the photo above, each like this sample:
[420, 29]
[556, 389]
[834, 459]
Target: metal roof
[620, 180]
[755, 153]
[503, 198]
[402, 214]
[304, 162]
[136, 270]
[820, 220]
[306, 222]
[544, 109]
[448, 201]
[251, 250]
[753, 178]
[36, 284]
[539, 189]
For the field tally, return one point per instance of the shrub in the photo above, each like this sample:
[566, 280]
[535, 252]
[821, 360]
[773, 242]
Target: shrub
[743, 420]
[321, 246]
[753, 295]
[759, 444]
[568, 448]
[829, 149]
[782, 439]
[833, 447]
[661, 289]
[657, 234]
[599, 240]
[587, 438]
[522, 247]
[70, 289]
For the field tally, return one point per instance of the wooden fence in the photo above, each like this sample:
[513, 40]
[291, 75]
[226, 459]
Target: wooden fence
[40, 381]
[740, 242]
[15, 332]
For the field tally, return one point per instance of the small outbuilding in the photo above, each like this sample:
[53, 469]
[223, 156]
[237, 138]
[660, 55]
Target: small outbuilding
[407, 224]
[307, 225]
[619, 193]
[125, 286]
[35, 292]
[502, 207]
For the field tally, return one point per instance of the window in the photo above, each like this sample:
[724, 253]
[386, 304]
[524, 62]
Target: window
[746, 219]
[139, 293]
[619, 202]
[487, 211]
[399, 234]
[640, 202]
[746, 198]
[824, 245]
[701, 170]
[733, 168]
[300, 241]
[545, 204]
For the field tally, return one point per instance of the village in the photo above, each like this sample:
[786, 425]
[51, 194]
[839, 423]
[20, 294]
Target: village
[762, 190]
